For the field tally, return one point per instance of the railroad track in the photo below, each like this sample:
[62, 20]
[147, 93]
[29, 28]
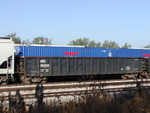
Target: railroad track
[68, 90]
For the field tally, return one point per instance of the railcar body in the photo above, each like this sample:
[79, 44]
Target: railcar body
[60, 66]
[45, 61]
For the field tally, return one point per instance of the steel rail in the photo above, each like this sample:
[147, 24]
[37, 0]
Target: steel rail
[83, 89]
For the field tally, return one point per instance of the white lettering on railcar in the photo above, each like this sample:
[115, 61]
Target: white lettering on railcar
[42, 61]
[47, 70]
[104, 51]
[44, 65]
[127, 68]
[33, 72]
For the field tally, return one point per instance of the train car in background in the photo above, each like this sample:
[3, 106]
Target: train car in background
[6, 59]
[36, 63]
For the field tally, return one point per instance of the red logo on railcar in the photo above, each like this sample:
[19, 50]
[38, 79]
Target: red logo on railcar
[146, 55]
[70, 53]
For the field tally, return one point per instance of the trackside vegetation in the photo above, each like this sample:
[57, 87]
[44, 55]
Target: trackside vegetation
[77, 42]
[134, 101]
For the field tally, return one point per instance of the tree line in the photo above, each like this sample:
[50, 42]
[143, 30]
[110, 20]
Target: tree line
[78, 42]
[36, 40]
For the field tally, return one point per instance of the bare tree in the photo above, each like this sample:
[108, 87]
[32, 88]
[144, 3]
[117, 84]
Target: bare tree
[15, 38]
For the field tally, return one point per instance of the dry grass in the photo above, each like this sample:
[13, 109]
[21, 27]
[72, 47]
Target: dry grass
[132, 102]
[97, 103]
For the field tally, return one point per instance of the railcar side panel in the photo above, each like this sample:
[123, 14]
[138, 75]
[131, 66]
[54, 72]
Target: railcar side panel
[31, 67]
[56, 66]
[116, 65]
[122, 65]
[66, 66]
[72, 66]
[62, 67]
[87, 66]
[95, 66]
[149, 66]
[137, 65]
[80, 66]
[102, 65]
[44, 67]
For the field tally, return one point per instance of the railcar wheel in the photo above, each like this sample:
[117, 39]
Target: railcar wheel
[147, 76]
[26, 80]
[140, 77]
[44, 80]
[36, 79]
[124, 77]
[4, 81]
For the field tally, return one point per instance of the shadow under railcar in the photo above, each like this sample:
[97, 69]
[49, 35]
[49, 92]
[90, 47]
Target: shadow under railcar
[82, 78]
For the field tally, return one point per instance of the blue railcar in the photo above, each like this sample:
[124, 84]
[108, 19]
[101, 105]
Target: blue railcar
[48, 51]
